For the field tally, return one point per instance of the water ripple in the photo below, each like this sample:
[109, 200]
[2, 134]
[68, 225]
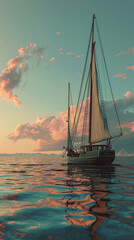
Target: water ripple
[44, 198]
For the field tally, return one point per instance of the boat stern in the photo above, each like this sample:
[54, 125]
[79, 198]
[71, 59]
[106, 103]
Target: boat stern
[106, 156]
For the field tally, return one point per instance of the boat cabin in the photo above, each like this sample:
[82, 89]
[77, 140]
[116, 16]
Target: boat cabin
[88, 148]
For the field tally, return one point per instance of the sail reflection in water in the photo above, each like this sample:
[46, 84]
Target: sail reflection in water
[44, 198]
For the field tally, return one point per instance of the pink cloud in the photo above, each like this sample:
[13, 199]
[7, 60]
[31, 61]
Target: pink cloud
[122, 152]
[129, 125]
[10, 79]
[21, 65]
[22, 51]
[52, 59]
[127, 94]
[58, 33]
[69, 53]
[12, 63]
[34, 46]
[120, 75]
[47, 132]
[121, 53]
[128, 98]
[81, 55]
[11, 76]
[130, 51]
[130, 68]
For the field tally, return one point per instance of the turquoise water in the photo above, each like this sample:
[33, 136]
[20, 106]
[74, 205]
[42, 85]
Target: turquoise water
[44, 198]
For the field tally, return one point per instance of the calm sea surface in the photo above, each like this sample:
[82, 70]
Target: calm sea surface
[44, 198]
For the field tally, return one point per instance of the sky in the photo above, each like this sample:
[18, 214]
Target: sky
[43, 46]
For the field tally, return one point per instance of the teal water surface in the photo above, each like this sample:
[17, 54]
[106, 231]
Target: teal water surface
[44, 198]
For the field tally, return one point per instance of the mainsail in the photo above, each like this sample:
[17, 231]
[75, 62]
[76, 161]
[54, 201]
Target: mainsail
[98, 125]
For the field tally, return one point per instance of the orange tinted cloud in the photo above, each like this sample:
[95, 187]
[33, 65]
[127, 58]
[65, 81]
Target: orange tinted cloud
[121, 53]
[60, 49]
[12, 63]
[52, 59]
[127, 94]
[58, 33]
[34, 46]
[10, 79]
[11, 76]
[21, 65]
[129, 125]
[50, 133]
[43, 132]
[22, 51]
[120, 75]
[122, 152]
[47, 132]
[69, 53]
[128, 98]
[130, 51]
[130, 68]
[81, 55]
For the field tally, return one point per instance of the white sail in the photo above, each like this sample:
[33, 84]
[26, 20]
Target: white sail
[99, 129]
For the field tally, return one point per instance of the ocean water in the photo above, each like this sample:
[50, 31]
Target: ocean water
[44, 198]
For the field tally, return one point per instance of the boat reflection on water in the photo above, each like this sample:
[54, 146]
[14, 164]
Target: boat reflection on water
[88, 201]
[44, 198]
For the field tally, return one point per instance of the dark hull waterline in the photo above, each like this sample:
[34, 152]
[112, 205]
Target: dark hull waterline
[94, 157]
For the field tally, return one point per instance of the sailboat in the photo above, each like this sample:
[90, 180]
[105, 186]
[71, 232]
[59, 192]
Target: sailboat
[97, 148]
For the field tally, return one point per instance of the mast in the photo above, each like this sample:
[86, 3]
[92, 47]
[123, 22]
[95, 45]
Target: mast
[90, 106]
[68, 115]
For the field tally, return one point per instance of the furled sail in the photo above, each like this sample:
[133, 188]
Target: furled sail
[99, 127]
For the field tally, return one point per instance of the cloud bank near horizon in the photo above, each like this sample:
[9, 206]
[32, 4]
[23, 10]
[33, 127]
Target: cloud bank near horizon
[50, 133]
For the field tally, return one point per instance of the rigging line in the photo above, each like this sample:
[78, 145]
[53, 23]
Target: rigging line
[75, 129]
[72, 102]
[115, 139]
[71, 109]
[83, 75]
[85, 115]
[108, 77]
[101, 99]
[107, 138]
[72, 112]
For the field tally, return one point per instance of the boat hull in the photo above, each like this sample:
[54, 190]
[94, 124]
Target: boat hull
[98, 157]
